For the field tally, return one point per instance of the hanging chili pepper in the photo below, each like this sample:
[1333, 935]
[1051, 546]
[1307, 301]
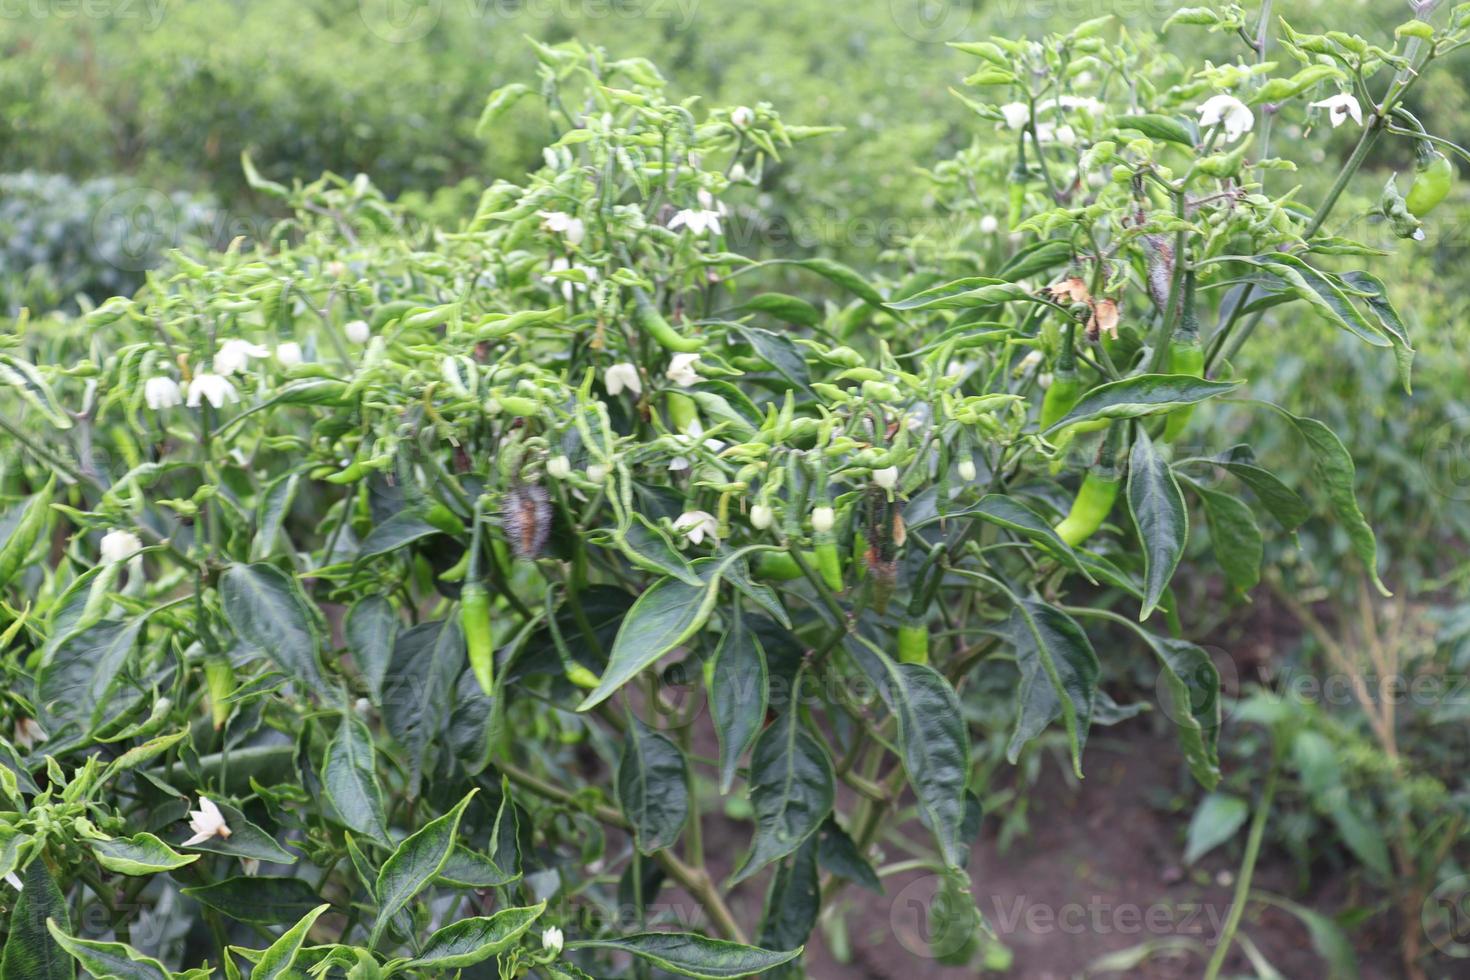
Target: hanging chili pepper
[652, 322]
[1433, 177]
[1095, 497]
[474, 616]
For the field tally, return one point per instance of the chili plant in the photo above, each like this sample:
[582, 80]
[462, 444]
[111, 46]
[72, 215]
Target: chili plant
[401, 563]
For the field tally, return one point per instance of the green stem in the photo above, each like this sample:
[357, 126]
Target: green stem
[1247, 869]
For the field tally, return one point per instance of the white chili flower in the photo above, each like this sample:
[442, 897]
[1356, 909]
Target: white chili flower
[235, 354]
[206, 822]
[620, 377]
[119, 546]
[887, 477]
[1017, 114]
[742, 116]
[357, 331]
[967, 470]
[822, 519]
[989, 225]
[761, 517]
[162, 392]
[214, 389]
[551, 940]
[288, 355]
[698, 221]
[696, 524]
[28, 732]
[569, 227]
[681, 370]
[559, 467]
[1227, 111]
[1065, 135]
[1339, 107]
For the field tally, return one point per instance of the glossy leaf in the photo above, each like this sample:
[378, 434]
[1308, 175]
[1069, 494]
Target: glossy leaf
[350, 779]
[470, 941]
[141, 854]
[792, 789]
[692, 955]
[267, 609]
[280, 956]
[371, 630]
[1059, 672]
[738, 694]
[653, 787]
[31, 949]
[116, 961]
[416, 862]
[1145, 394]
[419, 683]
[1157, 506]
[262, 899]
[1234, 535]
[793, 900]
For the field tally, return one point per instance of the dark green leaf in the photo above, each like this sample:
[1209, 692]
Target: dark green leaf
[469, 941]
[403, 528]
[653, 787]
[1234, 535]
[280, 956]
[737, 695]
[1157, 506]
[792, 309]
[371, 630]
[264, 900]
[1059, 673]
[1145, 394]
[267, 609]
[837, 853]
[350, 779]
[792, 788]
[691, 955]
[417, 689]
[416, 862]
[793, 900]
[114, 961]
[141, 854]
[30, 951]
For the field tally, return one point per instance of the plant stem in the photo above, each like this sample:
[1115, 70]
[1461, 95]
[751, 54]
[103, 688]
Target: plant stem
[1247, 869]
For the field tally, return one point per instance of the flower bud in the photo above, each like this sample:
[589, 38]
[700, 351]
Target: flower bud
[742, 116]
[559, 467]
[761, 517]
[288, 355]
[967, 470]
[596, 472]
[357, 331]
[551, 940]
[887, 477]
[822, 519]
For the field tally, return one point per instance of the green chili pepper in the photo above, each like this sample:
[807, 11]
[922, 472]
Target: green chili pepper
[1095, 497]
[474, 617]
[1432, 181]
[1186, 356]
[913, 642]
[219, 682]
[652, 322]
[683, 412]
[1066, 387]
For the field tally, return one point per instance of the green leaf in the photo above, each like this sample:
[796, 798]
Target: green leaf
[417, 688]
[263, 899]
[933, 738]
[738, 694]
[1284, 503]
[30, 950]
[267, 609]
[114, 961]
[1328, 938]
[792, 789]
[471, 869]
[275, 504]
[1011, 514]
[1319, 289]
[77, 677]
[793, 900]
[1145, 394]
[141, 854]
[1234, 535]
[1388, 321]
[350, 779]
[400, 530]
[246, 840]
[692, 955]
[792, 309]
[1336, 475]
[469, 941]
[280, 956]
[779, 352]
[653, 787]
[1059, 672]
[963, 294]
[1157, 506]
[33, 389]
[500, 102]
[20, 528]
[1165, 129]
[666, 615]
[1216, 820]
[648, 546]
[837, 853]
[416, 862]
[839, 274]
[371, 630]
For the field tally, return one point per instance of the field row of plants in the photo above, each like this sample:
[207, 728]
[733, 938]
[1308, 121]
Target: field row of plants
[383, 596]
